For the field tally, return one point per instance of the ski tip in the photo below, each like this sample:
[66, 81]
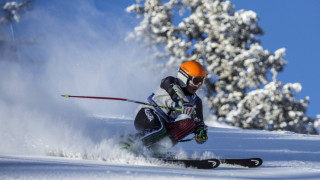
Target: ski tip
[257, 161]
[66, 95]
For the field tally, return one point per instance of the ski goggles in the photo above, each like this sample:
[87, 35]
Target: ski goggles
[196, 80]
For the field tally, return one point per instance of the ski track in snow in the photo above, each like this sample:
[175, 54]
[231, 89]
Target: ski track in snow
[286, 155]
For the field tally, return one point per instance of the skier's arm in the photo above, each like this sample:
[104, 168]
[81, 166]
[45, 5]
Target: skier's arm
[199, 113]
[168, 84]
[201, 128]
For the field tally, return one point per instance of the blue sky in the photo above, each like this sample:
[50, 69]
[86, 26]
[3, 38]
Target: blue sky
[292, 24]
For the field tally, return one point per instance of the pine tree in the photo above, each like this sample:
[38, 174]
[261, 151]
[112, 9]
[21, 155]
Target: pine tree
[9, 14]
[227, 43]
[11, 9]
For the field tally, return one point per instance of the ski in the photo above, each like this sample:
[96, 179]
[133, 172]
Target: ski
[213, 163]
[250, 162]
[195, 163]
[128, 144]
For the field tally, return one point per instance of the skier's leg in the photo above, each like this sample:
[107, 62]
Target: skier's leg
[175, 132]
[150, 126]
[180, 129]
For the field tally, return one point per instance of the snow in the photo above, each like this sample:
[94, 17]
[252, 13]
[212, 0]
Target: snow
[286, 155]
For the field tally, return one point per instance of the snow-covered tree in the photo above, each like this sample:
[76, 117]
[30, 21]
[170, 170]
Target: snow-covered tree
[10, 10]
[9, 14]
[273, 108]
[317, 123]
[227, 43]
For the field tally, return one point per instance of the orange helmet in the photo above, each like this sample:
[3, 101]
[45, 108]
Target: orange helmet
[191, 72]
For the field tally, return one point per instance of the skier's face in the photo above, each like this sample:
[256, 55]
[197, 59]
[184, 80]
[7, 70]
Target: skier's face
[192, 89]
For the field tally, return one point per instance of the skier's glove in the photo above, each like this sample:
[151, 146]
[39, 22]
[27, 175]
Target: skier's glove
[201, 134]
[187, 109]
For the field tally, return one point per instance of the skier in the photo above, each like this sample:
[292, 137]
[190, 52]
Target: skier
[160, 129]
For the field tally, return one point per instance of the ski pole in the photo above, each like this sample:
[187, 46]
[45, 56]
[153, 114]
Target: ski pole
[121, 99]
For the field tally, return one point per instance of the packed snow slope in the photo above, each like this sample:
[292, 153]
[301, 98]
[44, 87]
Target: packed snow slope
[286, 155]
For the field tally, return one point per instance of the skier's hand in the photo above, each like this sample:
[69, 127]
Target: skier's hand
[187, 109]
[201, 134]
